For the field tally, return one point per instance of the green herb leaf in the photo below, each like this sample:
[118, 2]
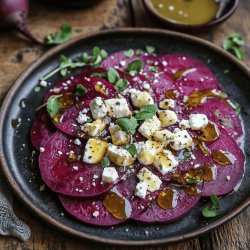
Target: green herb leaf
[233, 44]
[146, 112]
[210, 212]
[238, 53]
[64, 61]
[191, 181]
[217, 113]
[53, 105]
[37, 89]
[215, 200]
[134, 67]
[150, 49]
[237, 39]
[160, 167]
[223, 95]
[100, 75]
[60, 37]
[139, 52]
[236, 106]
[80, 90]
[121, 85]
[153, 68]
[129, 53]
[187, 153]
[85, 57]
[113, 76]
[105, 162]
[131, 148]
[127, 125]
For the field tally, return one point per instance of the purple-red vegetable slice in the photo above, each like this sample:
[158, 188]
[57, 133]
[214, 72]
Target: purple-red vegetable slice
[229, 176]
[92, 211]
[220, 112]
[67, 177]
[41, 129]
[156, 214]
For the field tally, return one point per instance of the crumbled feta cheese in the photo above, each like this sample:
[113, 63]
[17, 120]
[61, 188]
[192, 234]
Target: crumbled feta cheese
[82, 118]
[164, 136]
[146, 151]
[77, 142]
[41, 149]
[75, 168]
[118, 136]
[140, 98]
[228, 178]
[184, 124]
[164, 63]
[94, 128]
[185, 99]
[167, 103]
[109, 175]
[123, 63]
[141, 190]
[167, 117]
[151, 180]
[94, 150]
[165, 162]
[181, 140]
[198, 121]
[43, 83]
[117, 107]
[119, 156]
[146, 86]
[98, 108]
[96, 214]
[149, 126]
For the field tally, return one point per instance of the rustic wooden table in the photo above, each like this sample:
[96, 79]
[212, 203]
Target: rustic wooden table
[16, 54]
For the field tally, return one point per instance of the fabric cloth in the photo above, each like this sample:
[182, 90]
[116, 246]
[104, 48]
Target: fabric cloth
[9, 223]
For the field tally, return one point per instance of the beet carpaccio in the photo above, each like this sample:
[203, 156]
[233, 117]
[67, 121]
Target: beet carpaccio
[141, 137]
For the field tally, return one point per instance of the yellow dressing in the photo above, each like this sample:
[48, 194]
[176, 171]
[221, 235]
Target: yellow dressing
[192, 12]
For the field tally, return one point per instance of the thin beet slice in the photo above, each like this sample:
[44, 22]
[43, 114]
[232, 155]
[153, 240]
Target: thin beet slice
[66, 120]
[156, 214]
[69, 84]
[86, 210]
[220, 112]
[68, 175]
[188, 73]
[41, 129]
[229, 176]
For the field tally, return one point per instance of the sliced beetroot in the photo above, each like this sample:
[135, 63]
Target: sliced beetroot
[220, 112]
[41, 129]
[73, 178]
[69, 84]
[67, 122]
[156, 214]
[188, 73]
[229, 176]
[92, 211]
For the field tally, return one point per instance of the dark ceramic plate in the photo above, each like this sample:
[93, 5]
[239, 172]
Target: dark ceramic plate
[16, 148]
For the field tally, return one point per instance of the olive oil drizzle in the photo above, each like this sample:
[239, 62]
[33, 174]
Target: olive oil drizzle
[117, 205]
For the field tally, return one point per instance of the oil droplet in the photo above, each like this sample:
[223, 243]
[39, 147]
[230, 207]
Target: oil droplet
[223, 158]
[178, 74]
[201, 145]
[117, 205]
[166, 199]
[100, 88]
[196, 97]
[72, 157]
[191, 190]
[16, 122]
[171, 94]
[210, 133]
[22, 104]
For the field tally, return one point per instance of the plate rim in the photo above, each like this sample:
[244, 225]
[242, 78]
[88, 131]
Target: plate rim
[59, 225]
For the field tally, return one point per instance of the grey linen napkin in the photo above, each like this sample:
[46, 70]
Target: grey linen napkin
[9, 223]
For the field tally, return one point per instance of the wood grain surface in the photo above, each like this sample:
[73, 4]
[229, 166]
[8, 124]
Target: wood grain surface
[17, 53]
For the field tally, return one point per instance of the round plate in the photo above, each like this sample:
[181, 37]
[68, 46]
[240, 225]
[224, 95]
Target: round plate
[16, 148]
